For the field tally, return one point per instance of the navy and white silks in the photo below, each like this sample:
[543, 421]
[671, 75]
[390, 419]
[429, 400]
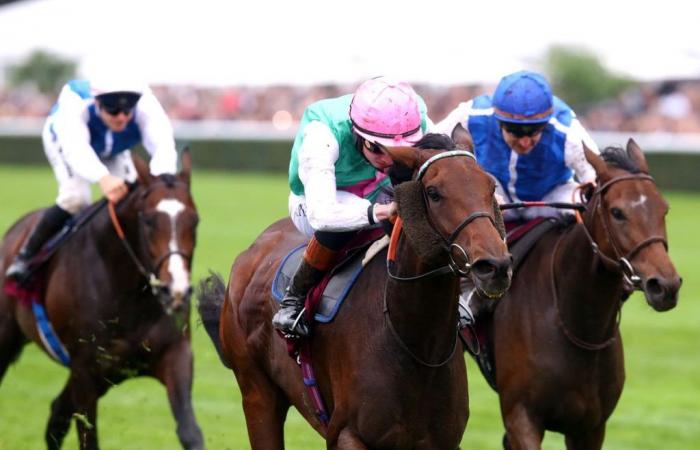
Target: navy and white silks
[81, 149]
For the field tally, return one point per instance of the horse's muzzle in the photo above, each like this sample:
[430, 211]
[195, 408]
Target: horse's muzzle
[662, 293]
[492, 275]
[174, 303]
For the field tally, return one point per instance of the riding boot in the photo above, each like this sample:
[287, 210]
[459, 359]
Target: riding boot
[53, 220]
[316, 262]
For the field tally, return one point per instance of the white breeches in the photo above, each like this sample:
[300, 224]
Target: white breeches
[73, 191]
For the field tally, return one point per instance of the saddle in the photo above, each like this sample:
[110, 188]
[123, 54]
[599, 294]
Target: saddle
[325, 299]
[31, 291]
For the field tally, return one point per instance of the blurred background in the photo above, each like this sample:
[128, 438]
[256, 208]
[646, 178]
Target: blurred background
[229, 75]
[235, 78]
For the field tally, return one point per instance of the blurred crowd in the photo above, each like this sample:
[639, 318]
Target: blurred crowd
[672, 106]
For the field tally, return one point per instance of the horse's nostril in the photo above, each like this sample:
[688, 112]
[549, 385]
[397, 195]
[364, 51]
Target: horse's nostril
[654, 287]
[484, 269]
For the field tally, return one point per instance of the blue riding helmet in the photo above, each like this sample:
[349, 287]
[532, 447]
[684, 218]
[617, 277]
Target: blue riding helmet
[523, 97]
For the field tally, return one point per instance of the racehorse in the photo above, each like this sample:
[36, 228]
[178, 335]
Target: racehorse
[386, 366]
[117, 294]
[556, 341]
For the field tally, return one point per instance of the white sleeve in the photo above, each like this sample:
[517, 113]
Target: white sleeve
[574, 155]
[458, 115]
[317, 156]
[157, 134]
[70, 125]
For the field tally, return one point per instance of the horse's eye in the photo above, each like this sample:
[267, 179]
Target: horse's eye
[433, 193]
[617, 213]
[149, 220]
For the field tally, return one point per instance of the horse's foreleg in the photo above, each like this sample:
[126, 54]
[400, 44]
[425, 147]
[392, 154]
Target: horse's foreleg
[522, 432]
[265, 407]
[11, 338]
[174, 370]
[590, 441]
[85, 391]
[59, 421]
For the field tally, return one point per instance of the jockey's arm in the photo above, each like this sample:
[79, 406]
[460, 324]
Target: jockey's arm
[157, 134]
[317, 157]
[574, 155]
[459, 115]
[71, 130]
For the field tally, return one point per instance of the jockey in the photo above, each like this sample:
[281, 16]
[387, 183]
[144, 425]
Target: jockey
[529, 140]
[87, 137]
[336, 173]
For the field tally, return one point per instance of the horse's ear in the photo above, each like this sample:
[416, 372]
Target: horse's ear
[462, 137]
[186, 168]
[594, 160]
[142, 170]
[635, 153]
[408, 156]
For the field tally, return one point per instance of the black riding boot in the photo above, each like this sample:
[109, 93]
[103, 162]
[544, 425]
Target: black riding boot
[290, 318]
[53, 220]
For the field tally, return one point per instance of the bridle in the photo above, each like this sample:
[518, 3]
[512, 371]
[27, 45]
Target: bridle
[452, 267]
[449, 243]
[148, 271]
[619, 261]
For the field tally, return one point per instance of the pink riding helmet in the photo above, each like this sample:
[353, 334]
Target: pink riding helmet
[387, 112]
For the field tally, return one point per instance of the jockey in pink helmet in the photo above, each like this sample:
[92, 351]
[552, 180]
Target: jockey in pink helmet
[336, 174]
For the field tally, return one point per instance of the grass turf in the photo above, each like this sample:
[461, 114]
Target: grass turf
[659, 408]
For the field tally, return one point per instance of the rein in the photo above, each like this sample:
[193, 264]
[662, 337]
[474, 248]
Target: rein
[578, 342]
[150, 274]
[452, 268]
[620, 262]
[404, 347]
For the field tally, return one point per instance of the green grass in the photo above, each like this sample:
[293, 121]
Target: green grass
[660, 406]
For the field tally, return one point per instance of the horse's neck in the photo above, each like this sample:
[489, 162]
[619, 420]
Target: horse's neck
[424, 312]
[588, 294]
[117, 261]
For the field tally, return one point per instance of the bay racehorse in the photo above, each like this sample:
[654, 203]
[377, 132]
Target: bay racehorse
[386, 365]
[117, 295]
[556, 340]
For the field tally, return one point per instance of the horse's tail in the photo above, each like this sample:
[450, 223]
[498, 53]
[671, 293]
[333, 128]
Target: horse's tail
[210, 293]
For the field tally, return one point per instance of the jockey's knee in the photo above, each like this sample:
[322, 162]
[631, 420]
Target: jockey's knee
[72, 204]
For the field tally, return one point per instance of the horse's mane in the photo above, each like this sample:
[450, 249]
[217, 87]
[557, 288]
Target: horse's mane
[617, 157]
[436, 141]
[398, 173]
[169, 179]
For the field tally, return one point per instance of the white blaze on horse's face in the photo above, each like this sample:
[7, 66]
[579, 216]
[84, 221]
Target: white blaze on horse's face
[176, 264]
[639, 202]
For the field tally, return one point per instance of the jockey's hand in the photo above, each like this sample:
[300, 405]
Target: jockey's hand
[385, 212]
[113, 188]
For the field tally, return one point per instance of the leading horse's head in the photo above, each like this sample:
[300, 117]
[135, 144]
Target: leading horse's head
[167, 223]
[450, 214]
[626, 220]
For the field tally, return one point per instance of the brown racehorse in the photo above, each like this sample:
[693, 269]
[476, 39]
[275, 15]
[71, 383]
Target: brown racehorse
[557, 345]
[97, 299]
[386, 365]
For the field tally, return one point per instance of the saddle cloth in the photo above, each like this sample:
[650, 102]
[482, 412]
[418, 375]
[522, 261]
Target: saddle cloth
[338, 282]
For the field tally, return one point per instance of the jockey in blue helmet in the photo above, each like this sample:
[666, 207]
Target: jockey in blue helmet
[529, 140]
